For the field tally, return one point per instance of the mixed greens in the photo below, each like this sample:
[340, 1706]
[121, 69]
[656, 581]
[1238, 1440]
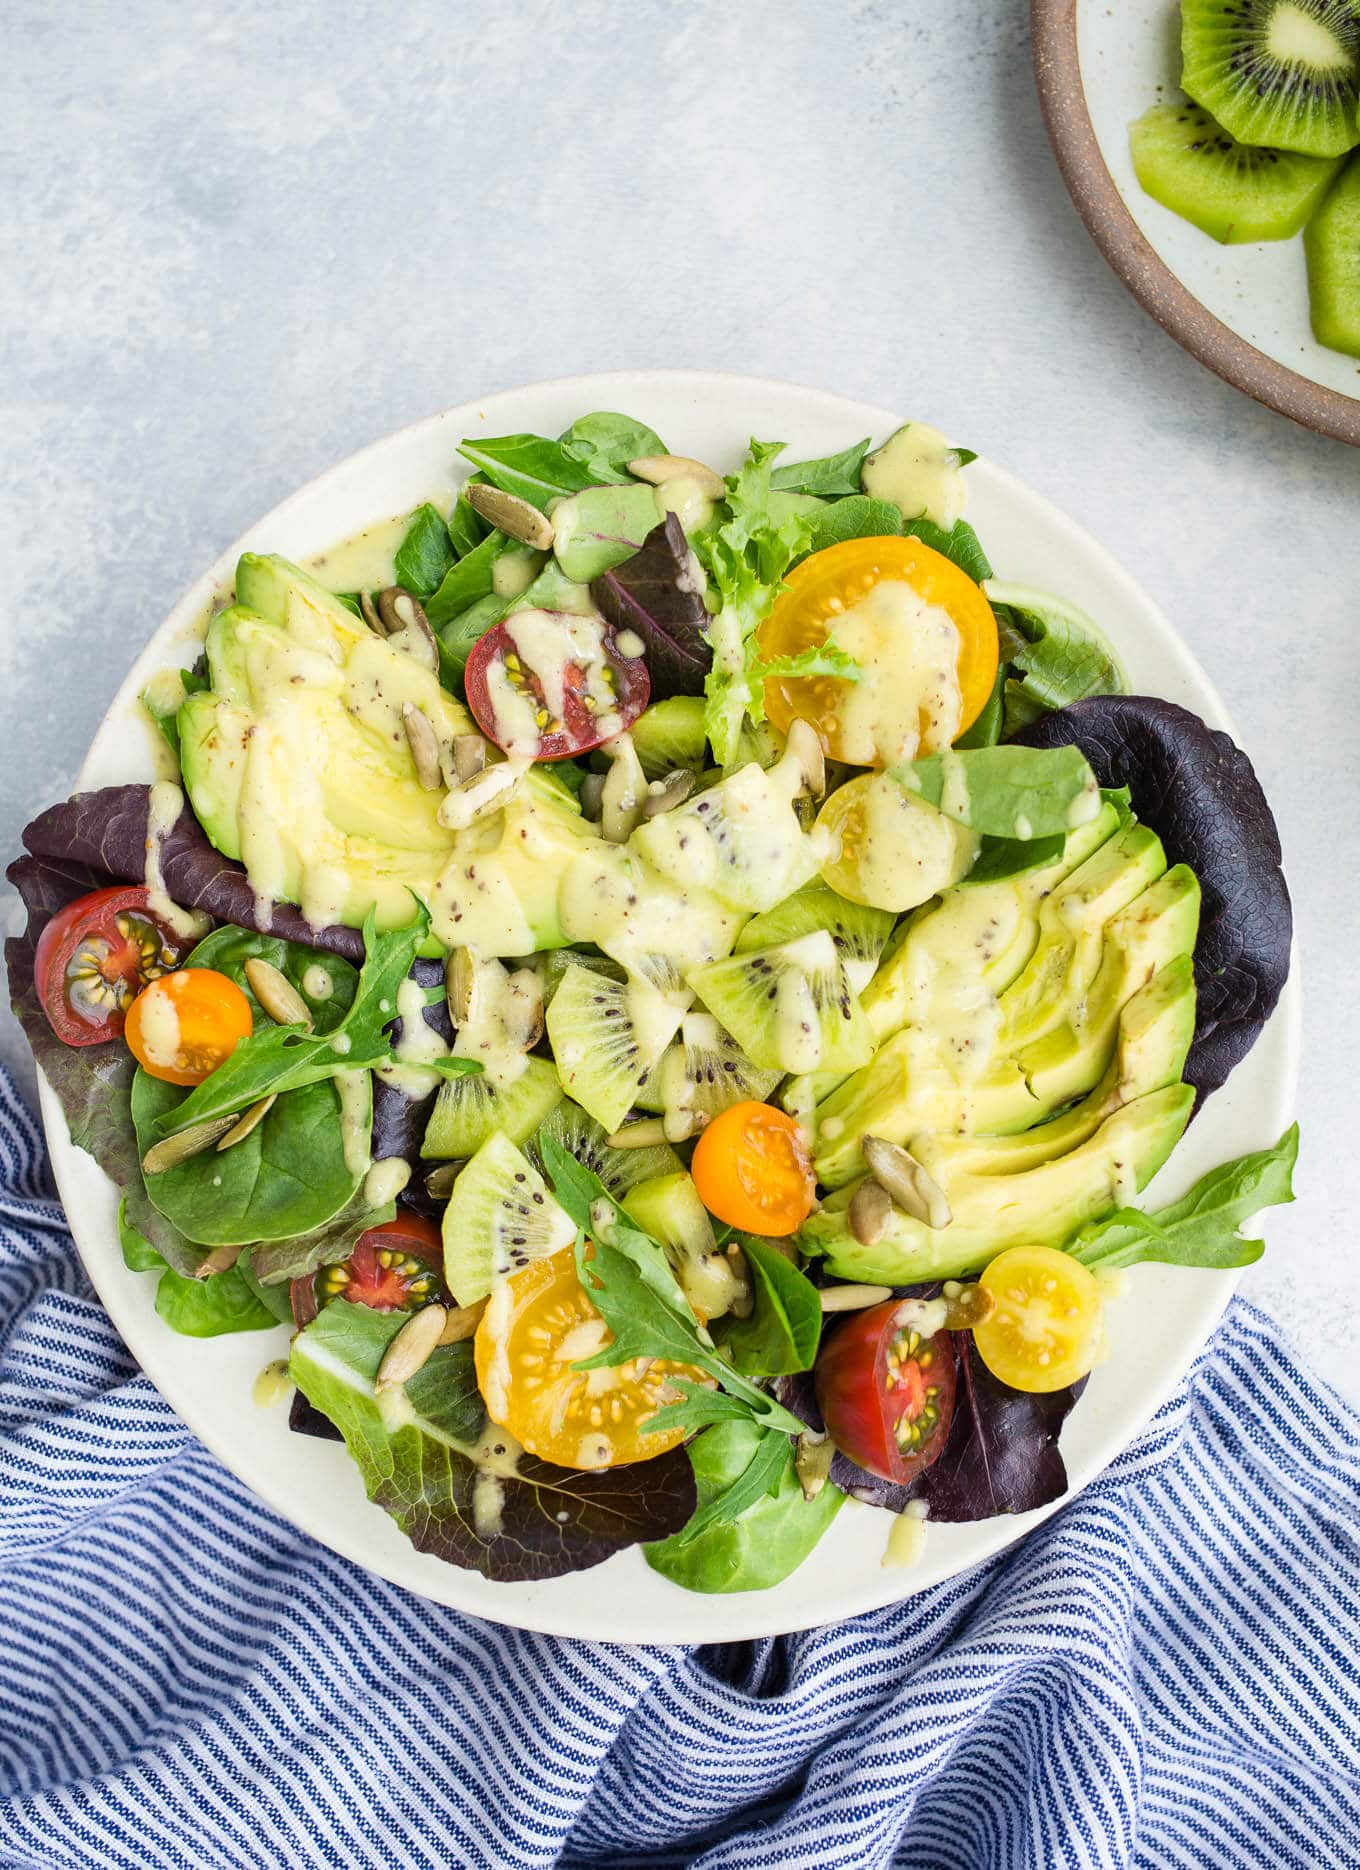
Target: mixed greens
[672, 997]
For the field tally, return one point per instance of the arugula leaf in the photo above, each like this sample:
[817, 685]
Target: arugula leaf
[770, 1539]
[426, 555]
[284, 1058]
[698, 1407]
[856, 517]
[1062, 656]
[1009, 857]
[829, 474]
[589, 1204]
[606, 442]
[769, 1460]
[1010, 792]
[783, 1331]
[960, 545]
[529, 465]
[467, 582]
[1204, 1227]
[197, 1308]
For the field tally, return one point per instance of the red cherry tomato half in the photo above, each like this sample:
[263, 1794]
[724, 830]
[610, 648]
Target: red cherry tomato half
[584, 701]
[886, 1393]
[394, 1268]
[94, 958]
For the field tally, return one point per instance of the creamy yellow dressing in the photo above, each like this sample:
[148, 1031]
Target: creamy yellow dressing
[159, 1030]
[364, 562]
[356, 1120]
[506, 1008]
[684, 497]
[164, 805]
[920, 708]
[513, 572]
[272, 1384]
[918, 471]
[894, 848]
[907, 1536]
[385, 1180]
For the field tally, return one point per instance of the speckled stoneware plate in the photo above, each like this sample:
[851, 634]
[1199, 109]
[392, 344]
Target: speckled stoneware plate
[1155, 1329]
[1242, 310]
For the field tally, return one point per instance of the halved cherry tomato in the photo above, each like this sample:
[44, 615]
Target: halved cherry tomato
[1045, 1330]
[397, 1267]
[568, 705]
[830, 583]
[184, 1025]
[536, 1325]
[94, 958]
[752, 1169]
[885, 1392]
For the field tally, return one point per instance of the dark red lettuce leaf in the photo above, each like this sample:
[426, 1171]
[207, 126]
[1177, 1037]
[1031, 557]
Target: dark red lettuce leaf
[655, 593]
[1199, 792]
[398, 1120]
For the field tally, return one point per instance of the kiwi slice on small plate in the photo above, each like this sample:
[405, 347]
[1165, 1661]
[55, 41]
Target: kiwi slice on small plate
[858, 931]
[707, 1070]
[467, 1110]
[501, 1215]
[790, 1008]
[1332, 245]
[606, 1036]
[1232, 191]
[1284, 74]
[619, 1169]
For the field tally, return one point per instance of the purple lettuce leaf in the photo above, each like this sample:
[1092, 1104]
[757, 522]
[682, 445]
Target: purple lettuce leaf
[398, 1120]
[1199, 792]
[656, 594]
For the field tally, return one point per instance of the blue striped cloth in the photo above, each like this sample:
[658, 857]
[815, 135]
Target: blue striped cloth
[1165, 1674]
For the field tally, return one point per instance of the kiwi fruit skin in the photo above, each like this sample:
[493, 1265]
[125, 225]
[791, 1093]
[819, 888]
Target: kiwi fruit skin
[500, 1216]
[670, 734]
[467, 1110]
[1283, 74]
[601, 1052]
[619, 1169]
[859, 932]
[1332, 248]
[1229, 190]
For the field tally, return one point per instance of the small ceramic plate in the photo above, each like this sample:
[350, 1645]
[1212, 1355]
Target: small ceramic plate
[1155, 1330]
[1242, 310]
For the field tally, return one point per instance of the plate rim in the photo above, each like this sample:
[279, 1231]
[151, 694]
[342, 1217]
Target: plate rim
[1136, 262]
[522, 1607]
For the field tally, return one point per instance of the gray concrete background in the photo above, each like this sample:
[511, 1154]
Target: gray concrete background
[238, 241]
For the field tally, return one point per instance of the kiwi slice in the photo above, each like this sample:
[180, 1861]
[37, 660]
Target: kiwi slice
[1231, 190]
[1280, 73]
[858, 931]
[500, 1216]
[554, 965]
[790, 1008]
[619, 1169]
[669, 734]
[1332, 244]
[707, 1070]
[669, 1209]
[606, 1036]
[467, 1110]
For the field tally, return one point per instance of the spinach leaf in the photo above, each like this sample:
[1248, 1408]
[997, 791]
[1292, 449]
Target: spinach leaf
[770, 1539]
[1008, 857]
[1010, 792]
[277, 1299]
[857, 517]
[782, 1332]
[1063, 657]
[426, 555]
[960, 545]
[655, 594]
[598, 529]
[467, 582]
[457, 636]
[767, 1463]
[467, 528]
[197, 1308]
[830, 474]
[529, 465]
[605, 443]
[987, 728]
[414, 1448]
[1204, 1227]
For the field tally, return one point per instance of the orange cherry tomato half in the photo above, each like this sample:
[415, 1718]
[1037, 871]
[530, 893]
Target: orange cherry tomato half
[885, 1392]
[184, 1025]
[831, 583]
[397, 1267]
[752, 1169]
[95, 956]
[537, 1325]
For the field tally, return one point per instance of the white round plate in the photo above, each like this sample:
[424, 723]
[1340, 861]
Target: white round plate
[1155, 1330]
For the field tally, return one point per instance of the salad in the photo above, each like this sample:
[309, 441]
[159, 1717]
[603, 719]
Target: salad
[670, 988]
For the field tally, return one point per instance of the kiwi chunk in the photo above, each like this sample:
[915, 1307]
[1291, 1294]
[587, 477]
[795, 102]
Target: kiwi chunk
[859, 932]
[606, 1036]
[499, 1218]
[1230, 190]
[669, 734]
[707, 1070]
[668, 1208]
[619, 1169]
[554, 966]
[467, 1110]
[1332, 244]
[1280, 73]
[790, 1008]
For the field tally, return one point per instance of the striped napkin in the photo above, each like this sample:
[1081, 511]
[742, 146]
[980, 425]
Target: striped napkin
[1166, 1674]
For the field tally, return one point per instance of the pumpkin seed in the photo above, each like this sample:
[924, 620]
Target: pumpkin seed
[488, 792]
[516, 518]
[460, 980]
[219, 1260]
[277, 994]
[853, 1298]
[658, 469]
[911, 1186]
[592, 795]
[461, 1322]
[410, 1349]
[439, 1182]
[185, 1144]
[370, 610]
[256, 1115]
[424, 745]
[678, 1126]
[469, 756]
[665, 794]
[812, 1458]
[408, 628]
[870, 1211]
[804, 746]
[648, 1133]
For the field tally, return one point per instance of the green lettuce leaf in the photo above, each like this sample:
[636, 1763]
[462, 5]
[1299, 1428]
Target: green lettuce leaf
[605, 443]
[198, 1308]
[1061, 655]
[426, 555]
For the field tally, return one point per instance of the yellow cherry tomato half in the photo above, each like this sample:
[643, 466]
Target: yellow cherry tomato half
[890, 848]
[536, 1325]
[844, 591]
[184, 1025]
[752, 1170]
[1046, 1328]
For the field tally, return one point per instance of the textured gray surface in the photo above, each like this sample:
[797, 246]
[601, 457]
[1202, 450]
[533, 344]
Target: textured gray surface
[240, 241]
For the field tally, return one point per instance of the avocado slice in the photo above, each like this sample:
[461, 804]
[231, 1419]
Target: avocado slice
[266, 583]
[1043, 1204]
[499, 893]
